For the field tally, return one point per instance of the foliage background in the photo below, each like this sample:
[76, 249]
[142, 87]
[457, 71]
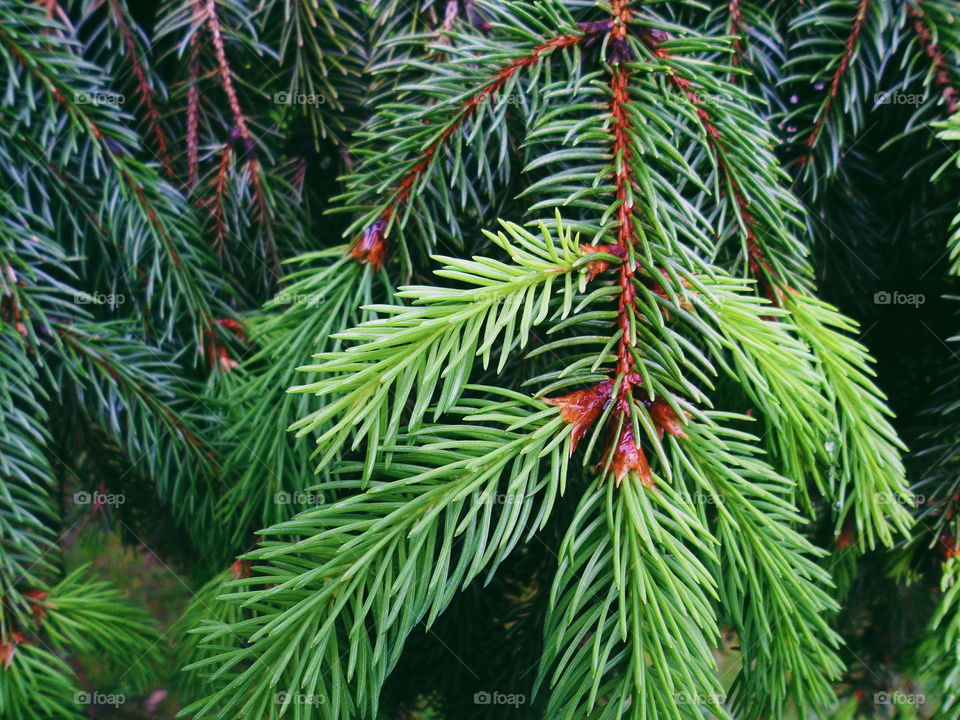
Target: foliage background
[225, 217]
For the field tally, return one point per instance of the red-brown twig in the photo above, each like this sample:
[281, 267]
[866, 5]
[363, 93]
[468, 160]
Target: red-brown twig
[143, 88]
[938, 60]
[371, 246]
[850, 47]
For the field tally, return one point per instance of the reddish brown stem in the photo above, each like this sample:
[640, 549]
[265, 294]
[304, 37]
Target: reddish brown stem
[759, 266]
[620, 12]
[624, 455]
[143, 88]
[370, 247]
[735, 28]
[582, 408]
[223, 68]
[850, 47]
[623, 180]
[241, 132]
[219, 190]
[193, 112]
[938, 60]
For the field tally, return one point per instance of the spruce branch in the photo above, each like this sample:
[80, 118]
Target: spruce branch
[844, 67]
[322, 50]
[264, 463]
[658, 372]
[97, 21]
[146, 219]
[938, 42]
[245, 199]
[788, 647]
[431, 346]
[772, 362]
[432, 145]
[26, 482]
[318, 580]
[136, 395]
[633, 647]
[759, 45]
[870, 480]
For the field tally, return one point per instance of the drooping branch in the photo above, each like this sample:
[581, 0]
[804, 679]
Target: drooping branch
[850, 46]
[582, 407]
[624, 455]
[370, 247]
[759, 266]
[223, 70]
[193, 112]
[735, 28]
[147, 202]
[143, 88]
[938, 60]
[241, 139]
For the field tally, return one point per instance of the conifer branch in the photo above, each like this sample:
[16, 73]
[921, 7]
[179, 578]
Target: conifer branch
[144, 86]
[371, 245]
[438, 146]
[939, 68]
[578, 384]
[157, 229]
[837, 77]
[844, 68]
[406, 353]
[871, 480]
[424, 534]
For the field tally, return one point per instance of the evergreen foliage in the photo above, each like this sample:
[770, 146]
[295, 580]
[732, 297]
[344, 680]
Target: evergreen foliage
[511, 352]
